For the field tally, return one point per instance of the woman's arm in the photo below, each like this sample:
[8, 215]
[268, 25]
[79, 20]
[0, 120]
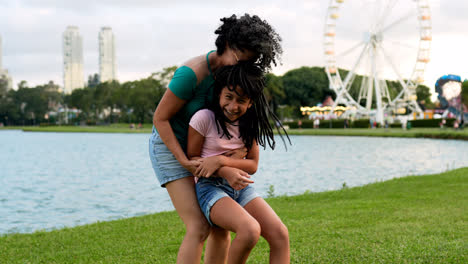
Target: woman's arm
[249, 164]
[195, 142]
[209, 165]
[169, 105]
[237, 178]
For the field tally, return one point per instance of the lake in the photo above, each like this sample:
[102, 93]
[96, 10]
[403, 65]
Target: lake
[55, 180]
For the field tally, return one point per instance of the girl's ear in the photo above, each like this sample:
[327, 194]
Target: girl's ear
[250, 104]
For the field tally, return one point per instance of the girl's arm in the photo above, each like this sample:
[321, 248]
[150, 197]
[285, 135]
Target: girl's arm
[169, 105]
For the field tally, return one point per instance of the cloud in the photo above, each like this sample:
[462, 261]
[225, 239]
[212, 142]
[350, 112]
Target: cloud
[152, 34]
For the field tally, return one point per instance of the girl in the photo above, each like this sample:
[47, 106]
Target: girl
[238, 118]
[245, 38]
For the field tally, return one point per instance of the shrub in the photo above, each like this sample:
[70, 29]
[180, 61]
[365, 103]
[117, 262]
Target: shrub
[431, 122]
[360, 123]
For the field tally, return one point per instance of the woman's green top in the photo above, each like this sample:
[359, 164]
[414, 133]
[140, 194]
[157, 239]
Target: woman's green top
[184, 85]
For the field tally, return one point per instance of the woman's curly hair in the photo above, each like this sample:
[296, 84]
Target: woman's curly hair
[253, 34]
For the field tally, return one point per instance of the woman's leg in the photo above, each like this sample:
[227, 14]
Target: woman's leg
[229, 215]
[217, 246]
[184, 199]
[273, 230]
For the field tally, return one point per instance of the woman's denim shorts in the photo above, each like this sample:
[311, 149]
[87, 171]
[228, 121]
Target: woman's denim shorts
[165, 165]
[211, 190]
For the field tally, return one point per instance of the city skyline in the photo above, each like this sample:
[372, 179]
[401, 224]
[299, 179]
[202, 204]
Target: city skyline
[153, 35]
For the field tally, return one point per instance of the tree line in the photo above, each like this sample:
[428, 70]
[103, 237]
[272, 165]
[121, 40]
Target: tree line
[135, 101]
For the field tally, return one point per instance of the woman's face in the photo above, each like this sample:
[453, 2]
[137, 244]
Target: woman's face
[232, 56]
[232, 104]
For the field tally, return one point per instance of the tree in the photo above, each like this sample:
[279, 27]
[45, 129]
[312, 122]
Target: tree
[464, 99]
[274, 91]
[82, 99]
[93, 80]
[424, 96]
[164, 76]
[3, 87]
[9, 109]
[33, 103]
[464, 92]
[144, 97]
[103, 96]
[305, 86]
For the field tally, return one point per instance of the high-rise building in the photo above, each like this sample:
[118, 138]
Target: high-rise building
[1, 55]
[73, 76]
[107, 63]
[5, 78]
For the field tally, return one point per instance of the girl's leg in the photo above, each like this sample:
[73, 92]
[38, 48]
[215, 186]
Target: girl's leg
[273, 230]
[184, 199]
[217, 246]
[229, 215]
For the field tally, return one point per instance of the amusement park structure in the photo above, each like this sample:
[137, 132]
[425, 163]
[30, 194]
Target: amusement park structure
[377, 54]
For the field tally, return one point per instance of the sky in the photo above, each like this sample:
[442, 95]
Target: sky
[153, 34]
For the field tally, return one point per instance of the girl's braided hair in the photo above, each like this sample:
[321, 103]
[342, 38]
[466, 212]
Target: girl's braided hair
[254, 124]
[253, 34]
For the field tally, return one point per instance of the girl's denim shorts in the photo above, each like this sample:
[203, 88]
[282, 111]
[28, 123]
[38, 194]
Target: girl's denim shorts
[211, 190]
[165, 165]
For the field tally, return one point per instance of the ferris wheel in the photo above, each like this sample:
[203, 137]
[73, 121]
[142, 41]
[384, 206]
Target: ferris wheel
[376, 41]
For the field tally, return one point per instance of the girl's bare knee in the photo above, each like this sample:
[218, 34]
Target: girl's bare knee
[250, 233]
[282, 232]
[198, 229]
[279, 236]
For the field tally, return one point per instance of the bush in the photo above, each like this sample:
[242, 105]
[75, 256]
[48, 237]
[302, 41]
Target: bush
[431, 122]
[305, 124]
[334, 123]
[43, 124]
[360, 123]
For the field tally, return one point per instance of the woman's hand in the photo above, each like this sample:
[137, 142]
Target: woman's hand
[191, 165]
[239, 153]
[208, 166]
[238, 179]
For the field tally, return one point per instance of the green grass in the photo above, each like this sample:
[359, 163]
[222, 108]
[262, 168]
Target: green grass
[416, 219]
[391, 132]
[114, 128]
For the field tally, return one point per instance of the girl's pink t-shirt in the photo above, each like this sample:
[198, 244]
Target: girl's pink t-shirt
[203, 122]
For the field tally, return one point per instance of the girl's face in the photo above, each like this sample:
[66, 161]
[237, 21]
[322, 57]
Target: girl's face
[233, 105]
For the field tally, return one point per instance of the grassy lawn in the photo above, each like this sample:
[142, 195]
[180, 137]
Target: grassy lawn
[416, 219]
[114, 128]
[391, 132]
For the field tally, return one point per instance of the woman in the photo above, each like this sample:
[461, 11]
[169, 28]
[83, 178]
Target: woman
[247, 38]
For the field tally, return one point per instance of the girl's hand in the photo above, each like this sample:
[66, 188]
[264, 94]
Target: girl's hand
[191, 165]
[238, 179]
[208, 166]
[239, 153]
